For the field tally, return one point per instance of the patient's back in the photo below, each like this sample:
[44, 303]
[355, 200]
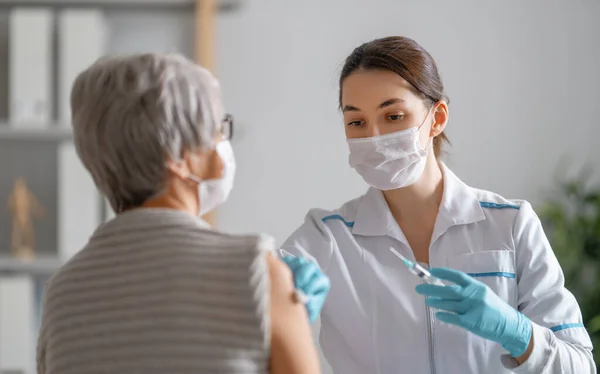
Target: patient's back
[157, 291]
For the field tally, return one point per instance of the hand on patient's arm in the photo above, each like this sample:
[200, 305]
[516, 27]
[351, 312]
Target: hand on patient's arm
[311, 281]
[293, 350]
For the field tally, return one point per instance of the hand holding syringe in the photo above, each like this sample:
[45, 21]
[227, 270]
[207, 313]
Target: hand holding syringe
[419, 270]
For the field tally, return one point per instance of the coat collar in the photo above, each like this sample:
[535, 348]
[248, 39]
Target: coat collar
[459, 206]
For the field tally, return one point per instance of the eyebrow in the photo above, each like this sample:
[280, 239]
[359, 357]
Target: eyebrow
[350, 108]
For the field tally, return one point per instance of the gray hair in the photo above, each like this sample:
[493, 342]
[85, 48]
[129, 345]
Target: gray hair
[132, 114]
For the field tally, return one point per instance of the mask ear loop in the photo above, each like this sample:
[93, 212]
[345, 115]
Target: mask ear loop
[194, 178]
[427, 149]
[190, 176]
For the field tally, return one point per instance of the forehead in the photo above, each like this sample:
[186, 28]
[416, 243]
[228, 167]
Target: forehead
[372, 87]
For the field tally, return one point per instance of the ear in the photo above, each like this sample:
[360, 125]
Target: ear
[440, 117]
[201, 164]
[182, 167]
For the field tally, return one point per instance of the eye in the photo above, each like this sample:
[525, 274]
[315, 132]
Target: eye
[395, 117]
[355, 123]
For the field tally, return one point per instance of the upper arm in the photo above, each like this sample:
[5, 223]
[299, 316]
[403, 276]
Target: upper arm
[542, 295]
[41, 357]
[292, 347]
[312, 240]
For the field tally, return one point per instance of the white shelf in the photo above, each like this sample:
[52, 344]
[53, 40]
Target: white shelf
[53, 132]
[223, 4]
[37, 266]
[169, 3]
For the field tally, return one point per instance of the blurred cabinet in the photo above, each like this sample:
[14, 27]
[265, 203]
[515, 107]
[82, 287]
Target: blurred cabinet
[82, 39]
[44, 44]
[17, 332]
[30, 66]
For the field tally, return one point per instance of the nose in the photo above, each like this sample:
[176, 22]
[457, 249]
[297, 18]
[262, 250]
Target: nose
[372, 130]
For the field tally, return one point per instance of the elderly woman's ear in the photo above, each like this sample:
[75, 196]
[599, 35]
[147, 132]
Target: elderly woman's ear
[200, 165]
[178, 168]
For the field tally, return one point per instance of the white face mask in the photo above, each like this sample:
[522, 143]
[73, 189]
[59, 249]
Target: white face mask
[390, 161]
[214, 192]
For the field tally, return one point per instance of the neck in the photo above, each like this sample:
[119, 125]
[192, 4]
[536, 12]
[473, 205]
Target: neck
[421, 200]
[176, 196]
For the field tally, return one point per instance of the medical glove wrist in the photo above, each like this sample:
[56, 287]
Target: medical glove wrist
[309, 279]
[517, 335]
[473, 306]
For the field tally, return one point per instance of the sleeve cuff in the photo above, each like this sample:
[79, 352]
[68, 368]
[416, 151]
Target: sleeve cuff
[543, 348]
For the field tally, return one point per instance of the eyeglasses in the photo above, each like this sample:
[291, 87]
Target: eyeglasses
[227, 127]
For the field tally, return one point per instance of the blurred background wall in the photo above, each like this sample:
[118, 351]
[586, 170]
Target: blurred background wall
[522, 77]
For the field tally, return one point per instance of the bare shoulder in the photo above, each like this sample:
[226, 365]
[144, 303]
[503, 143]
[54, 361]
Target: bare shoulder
[292, 346]
[280, 273]
[282, 290]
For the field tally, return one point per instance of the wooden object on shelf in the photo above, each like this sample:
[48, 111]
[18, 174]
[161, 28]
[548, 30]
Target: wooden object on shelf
[206, 11]
[24, 206]
[223, 5]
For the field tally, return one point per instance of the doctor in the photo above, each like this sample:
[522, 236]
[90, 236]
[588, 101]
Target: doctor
[504, 307]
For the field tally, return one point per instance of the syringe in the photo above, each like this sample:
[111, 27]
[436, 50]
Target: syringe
[300, 296]
[419, 270]
[283, 253]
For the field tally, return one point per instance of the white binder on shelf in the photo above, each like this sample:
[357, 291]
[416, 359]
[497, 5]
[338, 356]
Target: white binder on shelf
[78, 203]
[30, 67]
[17, 316]
[83, 38]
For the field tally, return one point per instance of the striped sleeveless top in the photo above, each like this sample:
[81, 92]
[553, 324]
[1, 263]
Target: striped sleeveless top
[158, 291]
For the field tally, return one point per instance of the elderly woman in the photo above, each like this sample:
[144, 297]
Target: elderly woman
[156, 290]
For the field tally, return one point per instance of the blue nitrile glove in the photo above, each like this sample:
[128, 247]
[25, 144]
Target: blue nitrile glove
[475, 307]
[309, 279]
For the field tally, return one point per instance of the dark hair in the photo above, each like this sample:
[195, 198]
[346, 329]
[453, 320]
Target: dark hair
[409, 60]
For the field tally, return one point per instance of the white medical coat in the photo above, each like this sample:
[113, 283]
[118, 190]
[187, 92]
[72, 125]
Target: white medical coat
[373, 320]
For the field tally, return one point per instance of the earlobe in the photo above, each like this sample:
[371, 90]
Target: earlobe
[179, 168]
[437, 129]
